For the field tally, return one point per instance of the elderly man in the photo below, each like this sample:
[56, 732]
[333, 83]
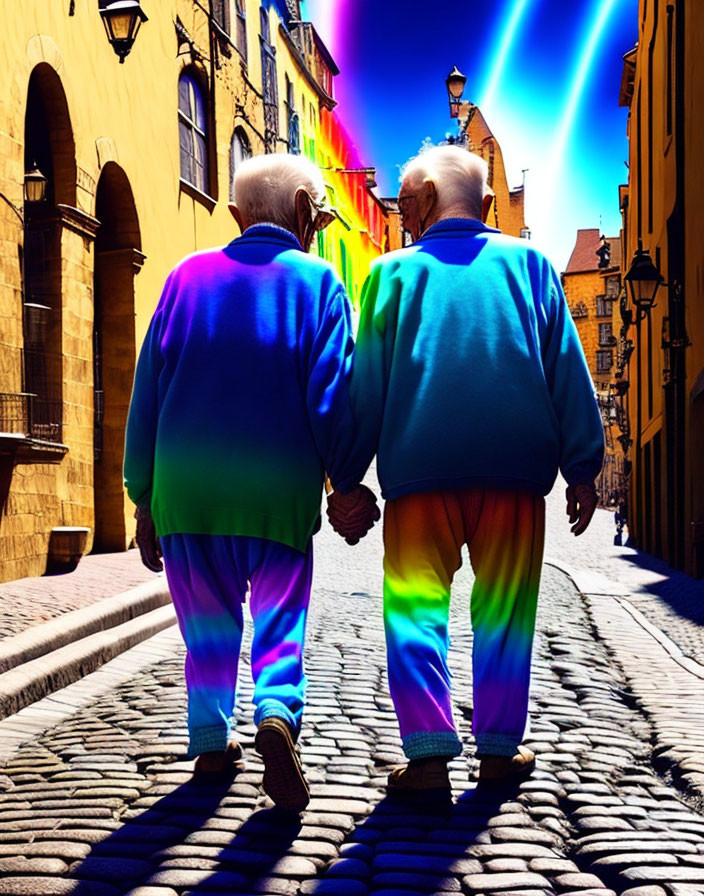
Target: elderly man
[240, 405]
[471, 385]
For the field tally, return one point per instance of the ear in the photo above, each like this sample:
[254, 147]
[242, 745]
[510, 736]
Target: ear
[486, 205]
[427, 197]
[304, 218]
[237, 215]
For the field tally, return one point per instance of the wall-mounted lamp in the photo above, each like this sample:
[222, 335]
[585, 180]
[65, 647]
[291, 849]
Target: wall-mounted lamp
[643, 280]
[122, 20]
[34, 186]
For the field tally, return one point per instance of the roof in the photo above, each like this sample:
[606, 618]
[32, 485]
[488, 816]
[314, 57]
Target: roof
[584, 257]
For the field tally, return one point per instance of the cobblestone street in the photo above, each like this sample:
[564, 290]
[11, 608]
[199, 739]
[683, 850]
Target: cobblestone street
[99, 803]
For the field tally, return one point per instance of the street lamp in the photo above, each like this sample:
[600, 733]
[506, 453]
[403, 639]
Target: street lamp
[34, 186]
[122, 20]
[644, 280]
[455, 82]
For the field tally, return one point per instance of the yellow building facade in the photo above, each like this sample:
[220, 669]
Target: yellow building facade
[138, 160]
[663, 86]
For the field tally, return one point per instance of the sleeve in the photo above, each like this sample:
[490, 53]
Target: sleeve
[327, 390]
[143, 417]
[370, 374]
[572, 392]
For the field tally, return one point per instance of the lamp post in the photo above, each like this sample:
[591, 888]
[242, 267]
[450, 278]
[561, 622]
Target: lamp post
[122, 20]
[643, 280]
[460, 109]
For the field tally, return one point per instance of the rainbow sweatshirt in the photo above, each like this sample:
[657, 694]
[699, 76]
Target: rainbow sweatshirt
[468, 369]
[240, 398]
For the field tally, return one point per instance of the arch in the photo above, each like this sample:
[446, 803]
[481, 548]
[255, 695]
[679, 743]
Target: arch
[117, 260]
[49, 140]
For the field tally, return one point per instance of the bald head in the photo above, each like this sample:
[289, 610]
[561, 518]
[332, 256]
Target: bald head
[459, 178]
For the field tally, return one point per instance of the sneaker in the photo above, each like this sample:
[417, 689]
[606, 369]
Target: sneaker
[427, 777]
[497, 770]
[217, 764]
[283, 779]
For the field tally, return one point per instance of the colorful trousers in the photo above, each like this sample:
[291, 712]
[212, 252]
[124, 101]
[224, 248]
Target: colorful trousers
[423, 537]
[208, 576]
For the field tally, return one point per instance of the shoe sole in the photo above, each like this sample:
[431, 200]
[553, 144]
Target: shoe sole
[283, 779]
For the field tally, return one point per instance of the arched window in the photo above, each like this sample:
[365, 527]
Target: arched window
[269, 83]
[241, 33]
[240, 149]
[192, 127]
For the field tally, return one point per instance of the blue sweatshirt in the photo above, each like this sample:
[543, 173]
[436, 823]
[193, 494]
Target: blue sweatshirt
[468, 370]
[240, 398]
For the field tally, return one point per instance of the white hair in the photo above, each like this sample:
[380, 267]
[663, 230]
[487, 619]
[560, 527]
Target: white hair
[265, 187]
[460, 178]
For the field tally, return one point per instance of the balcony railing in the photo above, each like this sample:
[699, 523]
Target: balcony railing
[25, 413]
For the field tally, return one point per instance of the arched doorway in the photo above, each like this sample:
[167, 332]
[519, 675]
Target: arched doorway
[49, 145]
[696, 455]
[117, 260]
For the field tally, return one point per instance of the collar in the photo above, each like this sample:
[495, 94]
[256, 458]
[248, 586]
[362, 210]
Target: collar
[458, 226]
[270, 233]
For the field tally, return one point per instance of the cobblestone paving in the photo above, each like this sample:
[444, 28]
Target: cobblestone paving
[671, 600]
[27, 602]
[100, 805]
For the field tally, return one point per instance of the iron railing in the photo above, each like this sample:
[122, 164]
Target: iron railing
[28, 414]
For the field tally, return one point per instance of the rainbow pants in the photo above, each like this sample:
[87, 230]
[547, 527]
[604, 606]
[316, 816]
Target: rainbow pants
[208, 576]
[423, 537]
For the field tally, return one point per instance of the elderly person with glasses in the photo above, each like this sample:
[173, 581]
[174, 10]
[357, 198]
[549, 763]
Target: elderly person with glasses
[240, 405]
[472, 388]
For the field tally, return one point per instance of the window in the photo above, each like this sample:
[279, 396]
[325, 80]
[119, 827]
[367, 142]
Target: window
[580, 310]
[605, 334]
[241, 34]
[613, 287]
[294, 127]
[240, 149]
[220, 11]
[604, 360]
[603, 306]
[269, 85]
[192, 132]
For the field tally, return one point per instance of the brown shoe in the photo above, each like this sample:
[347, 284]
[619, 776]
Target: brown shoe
[283, 777]
[427, 777]
[498, 770]
[217, 764]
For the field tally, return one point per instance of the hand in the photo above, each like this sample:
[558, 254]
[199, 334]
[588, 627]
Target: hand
[354, 514]
[147, 540]
[581, 504]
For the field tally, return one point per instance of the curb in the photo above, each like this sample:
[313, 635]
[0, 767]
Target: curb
[62, 666]
[77, 624]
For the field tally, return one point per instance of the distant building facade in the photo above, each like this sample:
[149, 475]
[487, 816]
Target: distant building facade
[592, 283]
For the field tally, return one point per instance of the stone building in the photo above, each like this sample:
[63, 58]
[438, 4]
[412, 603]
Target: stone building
[592, 283]
[663, 86]
[138, 160]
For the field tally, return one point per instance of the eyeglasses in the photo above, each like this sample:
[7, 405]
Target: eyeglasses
[323, 217]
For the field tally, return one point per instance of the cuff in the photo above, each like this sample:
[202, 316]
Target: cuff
[497, 744]
[422, 744]
[208, 740]
[581, 474]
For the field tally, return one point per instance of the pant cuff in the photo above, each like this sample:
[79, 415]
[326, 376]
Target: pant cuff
[268, 709]
[207, 740]
[422, 744]
[497, 744]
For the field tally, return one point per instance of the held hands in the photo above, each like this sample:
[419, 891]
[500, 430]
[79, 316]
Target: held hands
[581, 504]
[147, 540]
[354, 514]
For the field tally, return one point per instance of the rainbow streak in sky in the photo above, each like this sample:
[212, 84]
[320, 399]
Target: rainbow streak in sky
[560, 142]
[510, 30]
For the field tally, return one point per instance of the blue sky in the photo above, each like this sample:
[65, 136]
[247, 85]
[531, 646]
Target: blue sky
[546, 75]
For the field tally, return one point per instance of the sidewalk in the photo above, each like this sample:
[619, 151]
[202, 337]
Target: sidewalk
[28, 602]
[670, 600]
